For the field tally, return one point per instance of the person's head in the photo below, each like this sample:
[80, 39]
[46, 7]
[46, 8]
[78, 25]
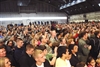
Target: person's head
[81, 64]
[35, 42]
[19, 42]
[62, 51]
[43, 48]
[73, 48]
[39, 56]
[2, 51]
[70, 41]
[83, 35]
[43, 39]
[10, 43]
[97, 34]
[91, 61]
[63, 41]
[98, 62]
[49, 43]
[1, 42]
[29, 49]
[4, 62]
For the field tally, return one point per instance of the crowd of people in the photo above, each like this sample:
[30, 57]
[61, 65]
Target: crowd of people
[52, 45]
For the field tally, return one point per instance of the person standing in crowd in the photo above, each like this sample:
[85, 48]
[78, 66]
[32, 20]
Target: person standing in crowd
[53, 36]
[95, 43]
[62, 54]
[19, 50]
[91, 62]
[40, 59]
[63, 42]
[74, 58]
[4, 62]
[84, 49]
[27, 60]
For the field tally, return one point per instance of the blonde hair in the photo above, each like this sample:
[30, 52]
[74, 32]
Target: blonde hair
[37, 52]
[2, 61]
[69, 41]
[98, 60]
[33, 41]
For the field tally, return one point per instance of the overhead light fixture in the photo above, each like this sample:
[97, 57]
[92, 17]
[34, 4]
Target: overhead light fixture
[33, 18]
[99, 4]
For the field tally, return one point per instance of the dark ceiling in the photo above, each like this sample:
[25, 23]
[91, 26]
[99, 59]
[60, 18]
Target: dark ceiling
[81, 8]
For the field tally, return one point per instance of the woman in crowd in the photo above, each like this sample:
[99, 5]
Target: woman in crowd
[4, 62]
[91, 62]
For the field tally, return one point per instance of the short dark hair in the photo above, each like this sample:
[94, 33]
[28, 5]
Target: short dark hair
[80, 64]
[89, 59]
[29, 46]
[82, 34]
[96, 33]
[19, 39]
[61, 50]
[71, 46]
[1, 47]
[41, 47]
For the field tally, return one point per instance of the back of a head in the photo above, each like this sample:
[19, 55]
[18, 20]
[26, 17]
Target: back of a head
[82, 34]
[80, 64]
[96, 33]
[29, 46]
[40, 47]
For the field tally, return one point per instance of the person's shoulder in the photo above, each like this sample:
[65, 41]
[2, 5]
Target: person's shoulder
[34, 65]
[46, 63]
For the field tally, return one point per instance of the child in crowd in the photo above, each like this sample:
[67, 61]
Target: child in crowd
[91, 62]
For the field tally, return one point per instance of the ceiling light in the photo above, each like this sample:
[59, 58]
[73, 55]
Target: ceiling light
[99, 4]
[35, 18]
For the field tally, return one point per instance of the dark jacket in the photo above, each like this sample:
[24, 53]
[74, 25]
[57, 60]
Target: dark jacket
[46, 64]
[74, 60]
[26, 60]
[17, 55]
[95, 43]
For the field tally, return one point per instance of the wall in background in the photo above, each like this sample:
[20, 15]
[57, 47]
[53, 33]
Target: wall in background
[94, 16]
[26, 21]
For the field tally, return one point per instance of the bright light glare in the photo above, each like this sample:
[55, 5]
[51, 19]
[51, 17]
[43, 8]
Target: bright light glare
[99, 4]
[35, 18]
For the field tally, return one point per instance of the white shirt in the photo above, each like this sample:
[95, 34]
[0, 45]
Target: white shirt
[42, 65]
[68, 62]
